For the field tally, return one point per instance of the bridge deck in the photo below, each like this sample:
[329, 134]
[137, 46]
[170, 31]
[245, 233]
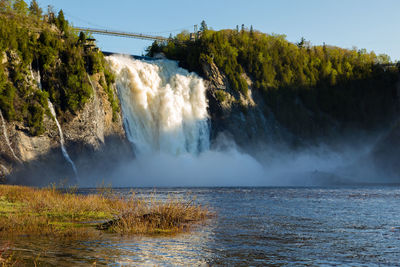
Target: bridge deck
[123, 34]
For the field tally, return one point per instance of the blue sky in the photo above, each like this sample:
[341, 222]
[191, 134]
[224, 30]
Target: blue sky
[370, 24]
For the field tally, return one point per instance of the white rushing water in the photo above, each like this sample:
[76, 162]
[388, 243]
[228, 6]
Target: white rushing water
[6, 137]
[164, 106]
[62, 143]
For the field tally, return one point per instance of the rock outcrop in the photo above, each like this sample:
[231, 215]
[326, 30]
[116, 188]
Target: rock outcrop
[94, 140]
[244, 118]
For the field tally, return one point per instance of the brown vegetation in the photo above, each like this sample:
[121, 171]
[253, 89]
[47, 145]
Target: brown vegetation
[33, 211]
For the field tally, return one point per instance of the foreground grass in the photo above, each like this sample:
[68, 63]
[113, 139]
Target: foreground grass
[33, 211]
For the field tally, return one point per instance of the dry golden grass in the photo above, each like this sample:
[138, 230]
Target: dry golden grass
[33, 211]
[6, 258]
[157, 217]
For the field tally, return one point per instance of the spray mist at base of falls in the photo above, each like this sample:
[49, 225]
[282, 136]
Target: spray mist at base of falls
[230, 166]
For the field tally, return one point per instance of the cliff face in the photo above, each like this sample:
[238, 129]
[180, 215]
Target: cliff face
[386, 153]
[232, 113]
[93, 140]
[249, 121]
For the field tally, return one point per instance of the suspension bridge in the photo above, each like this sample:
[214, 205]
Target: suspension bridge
[123, 34]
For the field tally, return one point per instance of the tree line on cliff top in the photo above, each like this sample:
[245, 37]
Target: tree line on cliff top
[31, 40]
[349, 85]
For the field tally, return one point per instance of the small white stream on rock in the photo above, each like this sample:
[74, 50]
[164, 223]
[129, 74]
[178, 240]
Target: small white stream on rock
[53, 112]
[5, 170]
[6, 137]
[63, 149]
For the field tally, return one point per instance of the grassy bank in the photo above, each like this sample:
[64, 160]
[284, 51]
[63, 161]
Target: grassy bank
[33, 211]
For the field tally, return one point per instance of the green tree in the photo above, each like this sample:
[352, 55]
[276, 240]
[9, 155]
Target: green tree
[35, 10]
[383, 59]
[203, 26]
[61, 23]
[82, 37]
[20, 7]
[5, 5]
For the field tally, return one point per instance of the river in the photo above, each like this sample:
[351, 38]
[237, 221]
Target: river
[253, 226]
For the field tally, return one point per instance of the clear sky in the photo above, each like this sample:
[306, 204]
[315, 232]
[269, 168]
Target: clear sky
[370, 24]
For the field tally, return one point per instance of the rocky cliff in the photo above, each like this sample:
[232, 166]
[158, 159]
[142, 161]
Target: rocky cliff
[237, 115]
[386, 154]
[93, 138]
[249, 121]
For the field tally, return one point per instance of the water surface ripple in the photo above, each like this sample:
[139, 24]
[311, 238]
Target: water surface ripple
[254, 226]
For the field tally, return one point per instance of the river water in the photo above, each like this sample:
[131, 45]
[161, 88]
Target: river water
[355, 226]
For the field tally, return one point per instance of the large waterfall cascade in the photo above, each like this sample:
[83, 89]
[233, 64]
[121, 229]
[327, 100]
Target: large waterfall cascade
[164, 106]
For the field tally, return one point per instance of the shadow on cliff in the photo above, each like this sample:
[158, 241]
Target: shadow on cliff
[92, 164]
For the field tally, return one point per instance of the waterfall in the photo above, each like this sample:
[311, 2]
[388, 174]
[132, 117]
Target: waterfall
[53, 112]
[164, 106]
[5, 170]
[6, 137]
[63, 149]
[91, 84]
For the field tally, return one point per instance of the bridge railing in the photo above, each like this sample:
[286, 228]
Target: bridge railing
[123, 34]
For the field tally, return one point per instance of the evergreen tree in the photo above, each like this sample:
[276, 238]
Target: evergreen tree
[34, 9]
[20, 7]
[82, 37]
[61, 23]
[203, 26]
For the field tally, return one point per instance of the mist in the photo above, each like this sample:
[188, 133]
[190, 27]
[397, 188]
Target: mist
[225, 164]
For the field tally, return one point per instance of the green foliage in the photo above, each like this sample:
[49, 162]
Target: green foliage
[35, 10]
[94, 62]
[7, 94]
[59, 55]
[35, 119]
[203, 26]
[220, 95]
[82, 37]
[20, 7]
[61, 23]
[108, 87]
[5, 5]
[347, 85]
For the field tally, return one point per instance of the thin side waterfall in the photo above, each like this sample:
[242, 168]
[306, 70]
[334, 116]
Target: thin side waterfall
[164, 106]
[6, 137]
[5, 170]
[90, 81]
[63, 149]
[53, 112]
[37, 79]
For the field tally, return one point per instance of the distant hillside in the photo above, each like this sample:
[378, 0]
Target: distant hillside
[307, 88]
